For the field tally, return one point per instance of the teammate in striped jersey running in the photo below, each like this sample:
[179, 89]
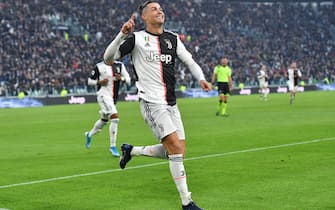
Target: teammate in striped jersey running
[106, 77]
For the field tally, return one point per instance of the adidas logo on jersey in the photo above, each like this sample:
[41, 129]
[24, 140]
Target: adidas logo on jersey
[162, 57]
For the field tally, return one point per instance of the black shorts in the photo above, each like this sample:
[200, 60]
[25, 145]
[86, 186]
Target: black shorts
[223, 88]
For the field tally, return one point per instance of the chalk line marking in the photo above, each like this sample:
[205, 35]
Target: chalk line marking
[165, 162]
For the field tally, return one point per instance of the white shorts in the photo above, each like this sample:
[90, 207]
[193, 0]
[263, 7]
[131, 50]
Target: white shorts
[162, 119]
[107, 106]
[291, 86]
[263, 85]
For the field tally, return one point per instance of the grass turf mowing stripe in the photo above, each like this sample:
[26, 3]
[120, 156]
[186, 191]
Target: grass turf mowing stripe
[161, 163]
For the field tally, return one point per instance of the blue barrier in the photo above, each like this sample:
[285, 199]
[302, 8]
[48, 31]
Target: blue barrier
[19, 103]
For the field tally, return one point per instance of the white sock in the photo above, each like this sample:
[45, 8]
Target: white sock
[156, 150]
[98, 125]
[113, 131]
[179, 176]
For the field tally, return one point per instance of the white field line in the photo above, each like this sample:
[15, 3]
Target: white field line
[165, 162]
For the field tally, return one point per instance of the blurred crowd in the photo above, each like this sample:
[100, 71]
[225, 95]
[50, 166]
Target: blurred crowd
[51, 45]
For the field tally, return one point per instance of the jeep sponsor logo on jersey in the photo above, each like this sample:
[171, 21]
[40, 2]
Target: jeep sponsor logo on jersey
[164, 58]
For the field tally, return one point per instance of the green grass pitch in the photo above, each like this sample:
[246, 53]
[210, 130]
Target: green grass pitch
[264, 156]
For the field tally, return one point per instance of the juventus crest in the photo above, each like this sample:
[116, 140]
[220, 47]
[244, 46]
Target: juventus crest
[168, 43]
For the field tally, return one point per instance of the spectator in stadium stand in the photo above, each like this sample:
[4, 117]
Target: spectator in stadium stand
[34, 49]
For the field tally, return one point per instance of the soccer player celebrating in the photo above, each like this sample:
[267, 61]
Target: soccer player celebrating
[153, 52]
[293, 75]
[105, 77]
[222, 75]
[263, 82]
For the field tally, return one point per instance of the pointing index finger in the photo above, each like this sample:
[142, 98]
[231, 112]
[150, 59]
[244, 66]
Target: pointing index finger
[132, 17]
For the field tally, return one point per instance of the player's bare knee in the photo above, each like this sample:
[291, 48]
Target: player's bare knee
[173, 145]
[114, 116]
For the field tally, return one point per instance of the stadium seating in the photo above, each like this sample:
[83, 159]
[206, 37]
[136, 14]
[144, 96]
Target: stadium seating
[50, 45]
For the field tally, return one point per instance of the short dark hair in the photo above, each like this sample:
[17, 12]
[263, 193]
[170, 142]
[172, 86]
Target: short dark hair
[143, 5]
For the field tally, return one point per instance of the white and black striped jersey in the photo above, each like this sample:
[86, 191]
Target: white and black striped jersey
[102, 71]
[154, 57]
[262, 76]
[293, 76]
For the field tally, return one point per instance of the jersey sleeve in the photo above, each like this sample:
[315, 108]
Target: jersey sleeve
[128, 45]
[119, 47]
[185, 56]
[215, 71]
[94, 76]
[95, 73]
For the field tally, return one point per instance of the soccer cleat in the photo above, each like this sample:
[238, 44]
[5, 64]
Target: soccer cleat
[88, 140]
[114, 151]
[217, 113]
[126, 156]
[191, 206]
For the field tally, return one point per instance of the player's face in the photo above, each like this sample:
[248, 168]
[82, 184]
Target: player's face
[224, 61]
[153, 14]
[293, 65]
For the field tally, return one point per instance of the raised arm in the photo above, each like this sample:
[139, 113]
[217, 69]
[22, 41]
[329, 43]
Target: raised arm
[112, 51]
